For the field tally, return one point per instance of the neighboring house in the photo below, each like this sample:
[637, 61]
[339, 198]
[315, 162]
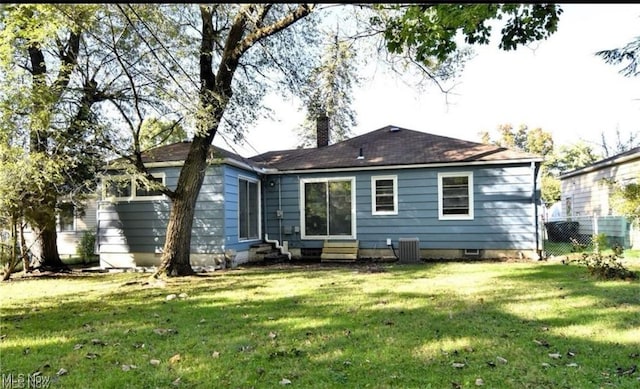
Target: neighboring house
[71, 224]
[586, 192]
[447, 197]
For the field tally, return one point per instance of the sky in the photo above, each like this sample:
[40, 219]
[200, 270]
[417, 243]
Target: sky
[557, 84]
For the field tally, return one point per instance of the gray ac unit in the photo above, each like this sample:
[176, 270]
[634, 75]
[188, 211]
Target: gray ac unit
[409, 250]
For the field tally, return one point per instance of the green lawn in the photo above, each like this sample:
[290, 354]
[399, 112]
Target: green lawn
[443, 325]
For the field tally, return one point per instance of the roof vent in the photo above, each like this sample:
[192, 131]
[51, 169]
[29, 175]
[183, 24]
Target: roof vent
[394, 129]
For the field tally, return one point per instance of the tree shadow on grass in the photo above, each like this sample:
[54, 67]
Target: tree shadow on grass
[338, 334]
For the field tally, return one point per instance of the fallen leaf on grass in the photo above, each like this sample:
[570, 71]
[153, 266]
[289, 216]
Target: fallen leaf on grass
[479, 382]
[624, 371]
[165, 331]
[541, 342]
[174, 359]
[272, 335]
[215, 354]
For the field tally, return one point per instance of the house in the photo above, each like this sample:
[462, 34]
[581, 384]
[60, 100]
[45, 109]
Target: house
[72, 223]
[392, 192]
[586, 196]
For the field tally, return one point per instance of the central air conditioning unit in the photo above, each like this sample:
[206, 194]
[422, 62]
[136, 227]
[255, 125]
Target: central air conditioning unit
[409, 250]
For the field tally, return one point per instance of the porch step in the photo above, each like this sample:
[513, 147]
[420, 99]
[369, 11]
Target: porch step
[339, 251]
[257, 252]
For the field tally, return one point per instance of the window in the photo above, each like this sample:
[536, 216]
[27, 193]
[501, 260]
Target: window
[455, 196]
[117, 187]
[384, 196]
[248, 209]
[568, 208]
[328, 208]
[126, 188]
[142, 191]
[67, 217]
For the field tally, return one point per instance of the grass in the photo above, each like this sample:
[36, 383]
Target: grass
[441, 325]
[570, 250]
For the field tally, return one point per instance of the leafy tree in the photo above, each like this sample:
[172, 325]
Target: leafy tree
[44, 108]
[155, 132]
[21, 172]
[61, 65]
[535, 141]
[628, 55]
[625, 199]
[551, 191]
[571, 157]
[330, 93]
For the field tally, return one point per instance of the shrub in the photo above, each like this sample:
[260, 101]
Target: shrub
[606, 267]
[86, 247]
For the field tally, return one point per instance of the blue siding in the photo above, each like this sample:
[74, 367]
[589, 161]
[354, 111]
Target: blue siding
[231, 176]
[140, 226]
[503, 214]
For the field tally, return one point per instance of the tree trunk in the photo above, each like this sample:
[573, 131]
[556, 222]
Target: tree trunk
[44, 226]
[26, 266]
[177, 248]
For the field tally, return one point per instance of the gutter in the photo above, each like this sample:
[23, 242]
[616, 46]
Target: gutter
[600, 165]
[393, 167]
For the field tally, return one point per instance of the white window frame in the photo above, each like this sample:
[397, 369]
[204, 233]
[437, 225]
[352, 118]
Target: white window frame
[133, 188]
[469, 216]
[374, 204]
[304, 181]
[259, 189]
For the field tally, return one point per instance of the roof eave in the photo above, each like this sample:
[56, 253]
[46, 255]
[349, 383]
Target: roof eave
[405, 166]
[598, 166]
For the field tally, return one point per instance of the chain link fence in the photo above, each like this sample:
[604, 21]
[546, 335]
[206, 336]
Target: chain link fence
[585, 234]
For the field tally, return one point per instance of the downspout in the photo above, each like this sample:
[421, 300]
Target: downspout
[536, 169]
[280, 210]
[276, 242]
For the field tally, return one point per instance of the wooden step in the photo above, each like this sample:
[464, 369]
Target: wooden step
[342, 251]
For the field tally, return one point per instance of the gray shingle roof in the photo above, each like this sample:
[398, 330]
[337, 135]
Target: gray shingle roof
[387, 146]
[178, 152]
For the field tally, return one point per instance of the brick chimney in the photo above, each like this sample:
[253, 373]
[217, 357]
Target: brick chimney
[322, 130]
